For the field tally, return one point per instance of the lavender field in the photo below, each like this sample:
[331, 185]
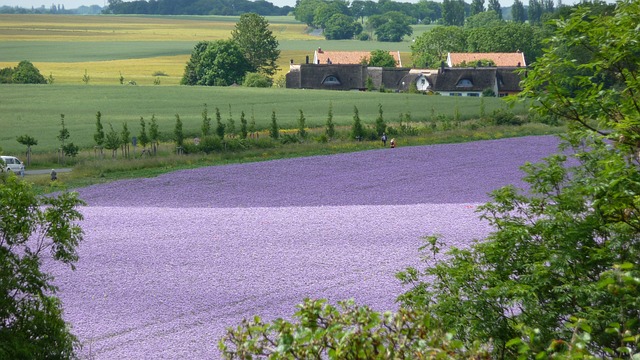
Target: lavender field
[169, 262]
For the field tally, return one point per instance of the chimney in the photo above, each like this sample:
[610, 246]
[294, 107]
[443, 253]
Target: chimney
[307, 60]
[441, 67]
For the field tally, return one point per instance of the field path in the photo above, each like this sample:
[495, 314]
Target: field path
[168, 263]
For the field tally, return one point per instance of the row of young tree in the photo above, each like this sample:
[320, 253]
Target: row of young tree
[559, 275]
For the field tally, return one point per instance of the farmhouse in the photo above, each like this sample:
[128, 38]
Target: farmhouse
[445, 81]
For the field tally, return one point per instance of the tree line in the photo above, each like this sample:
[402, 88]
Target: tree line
[195, 7]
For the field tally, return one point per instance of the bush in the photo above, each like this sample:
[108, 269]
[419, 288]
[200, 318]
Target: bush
[506, 117]
[363, 37]
[488, 93]
[257, 80]
[208, 144]
[289, 139]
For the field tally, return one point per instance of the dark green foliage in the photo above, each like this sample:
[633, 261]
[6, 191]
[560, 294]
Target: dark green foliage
[494, 5]
[206, 122]
[453, 12]
[488, 93]
[112, 141]
[219, 125]
[391, 26]
[257, 43]
[274, 130]
[257, 80]
[230, 127]
[178, 135]
[31, 228]
[216, 63]
[143, 138]
[505, 117]
[478, 63]
[341, 27]
[517, 12]
[23, 73]
[477, 6]
[70, 149]
[154, 133]
[98, 136]
[346, 331]
[63, 135]
[357, 130]
[243, 126]
[381, 58]
[330, 129]
[302, 131]
[381, 126]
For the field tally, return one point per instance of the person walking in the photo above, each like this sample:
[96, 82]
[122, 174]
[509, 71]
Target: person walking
[384, 139]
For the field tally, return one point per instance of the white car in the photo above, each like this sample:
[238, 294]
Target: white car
[12, 164]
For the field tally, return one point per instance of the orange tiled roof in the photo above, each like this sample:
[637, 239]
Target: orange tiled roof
[348, 57]
[501, 59]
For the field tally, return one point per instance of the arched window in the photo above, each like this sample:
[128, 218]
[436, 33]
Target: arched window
[331, 80]
[464, 83]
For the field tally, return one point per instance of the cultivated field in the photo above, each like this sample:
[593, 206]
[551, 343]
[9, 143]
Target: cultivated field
[169, 262]
[138, 47]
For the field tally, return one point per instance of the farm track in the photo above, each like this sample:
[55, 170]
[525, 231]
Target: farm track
[168, 263]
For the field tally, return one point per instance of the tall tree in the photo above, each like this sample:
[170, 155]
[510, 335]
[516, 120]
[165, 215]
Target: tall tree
[302, 126]
[535, 11]
[125, 138]
[477, 6]
[154, 134]
[341, 27]
[517, 12]
[432, 46]
[244, 131]
[274, 131]
[112, 141]
[453, 12]
[99, 136]
[330, 129]
[257, 43]
[494, 5]
[34, 228]
[143, 138]
[381, 126]
[357, 130]
[206, 122]
[219, 124]
[178, 134]
[391, 26]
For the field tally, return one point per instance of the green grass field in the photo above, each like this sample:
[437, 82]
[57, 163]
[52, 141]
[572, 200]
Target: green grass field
[36, 109]
[148, 48]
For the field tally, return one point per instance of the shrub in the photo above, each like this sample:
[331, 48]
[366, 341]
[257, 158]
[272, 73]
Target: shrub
[506, 117]
[257, 80]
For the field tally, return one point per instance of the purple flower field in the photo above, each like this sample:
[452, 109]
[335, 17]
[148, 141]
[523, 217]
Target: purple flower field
[169, 262]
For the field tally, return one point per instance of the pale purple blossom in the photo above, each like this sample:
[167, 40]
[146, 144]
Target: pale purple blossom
[169, 262]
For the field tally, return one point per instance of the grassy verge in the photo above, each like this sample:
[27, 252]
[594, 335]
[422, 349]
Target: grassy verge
[89, 168]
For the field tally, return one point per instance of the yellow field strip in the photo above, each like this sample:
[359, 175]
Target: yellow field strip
[109, 28]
